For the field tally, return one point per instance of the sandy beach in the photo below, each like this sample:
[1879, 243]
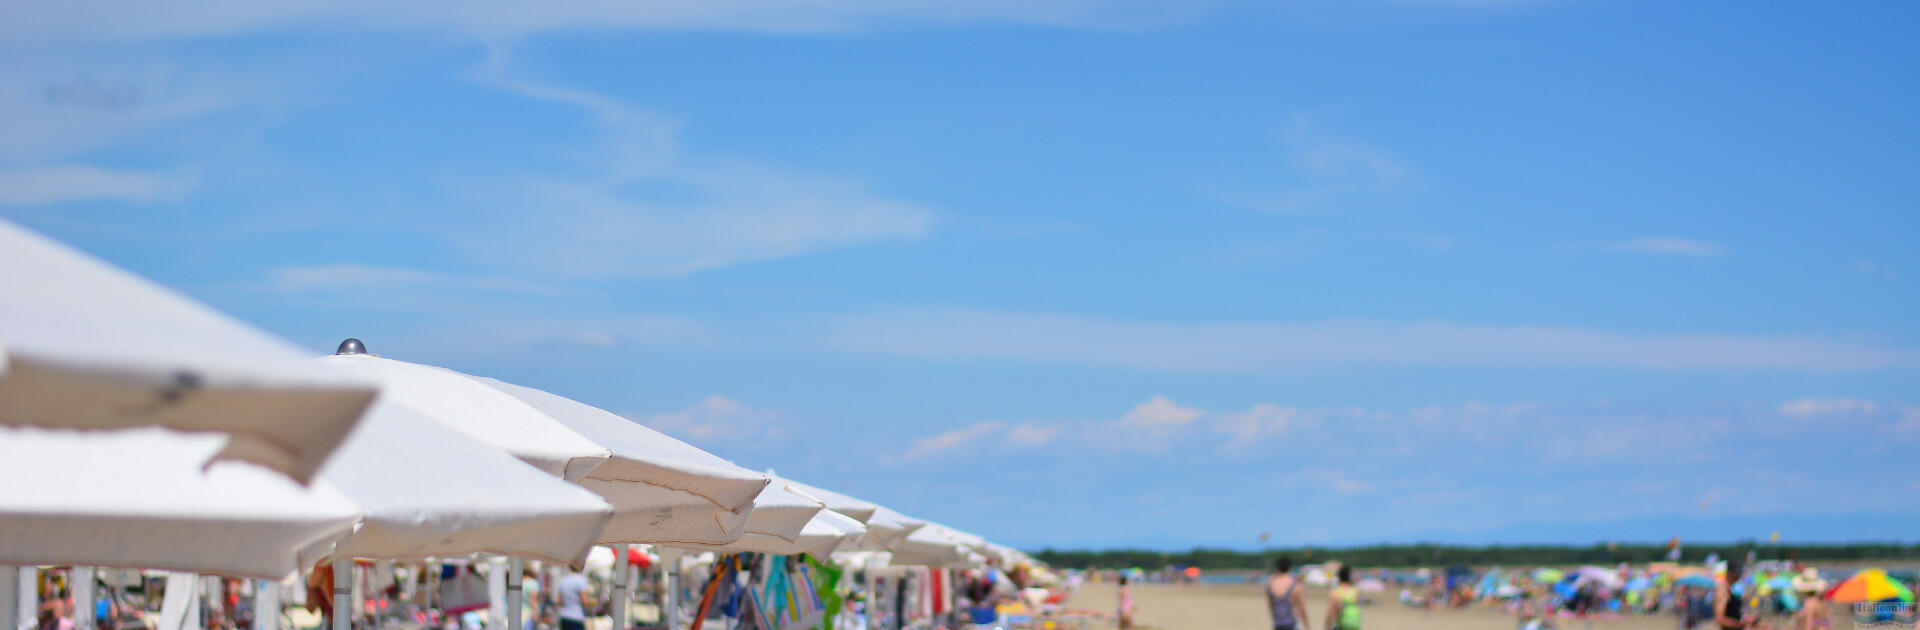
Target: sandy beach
[1224, 607]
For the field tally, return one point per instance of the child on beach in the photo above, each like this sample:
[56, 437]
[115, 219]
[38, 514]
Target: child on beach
[1126, 605]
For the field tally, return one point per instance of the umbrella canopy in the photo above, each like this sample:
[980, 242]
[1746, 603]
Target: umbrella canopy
[429, 491]
[1604, 577]
[824, 533]
[1696, 581]
[888, 527]
[780, 516]
[857, 509]
[1549, 575]
[88, 346]
[146, 498]
[931, 545]
[1871, 585]
[485, 414]
[662, 490]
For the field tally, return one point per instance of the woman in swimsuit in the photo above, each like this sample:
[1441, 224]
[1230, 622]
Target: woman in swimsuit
[1728, 609]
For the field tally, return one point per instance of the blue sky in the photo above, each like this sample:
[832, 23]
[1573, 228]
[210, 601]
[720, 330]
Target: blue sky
[1072, 273]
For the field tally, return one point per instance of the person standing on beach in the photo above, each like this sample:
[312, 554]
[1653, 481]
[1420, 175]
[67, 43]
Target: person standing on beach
[1126, 604]
[1728, 609]
[1284, 600]
[1343, 604]
[575, 599]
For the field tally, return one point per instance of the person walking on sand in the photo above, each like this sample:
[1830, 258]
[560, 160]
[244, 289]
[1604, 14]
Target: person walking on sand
[1284, 600]
[1343, 603]
[1126, 604]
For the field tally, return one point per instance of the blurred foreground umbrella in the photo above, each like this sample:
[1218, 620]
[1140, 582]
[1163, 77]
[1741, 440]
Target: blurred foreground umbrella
[146, 498]
[1871, 585]
[84, 345]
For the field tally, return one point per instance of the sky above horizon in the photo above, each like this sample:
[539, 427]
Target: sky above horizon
[1073, 273]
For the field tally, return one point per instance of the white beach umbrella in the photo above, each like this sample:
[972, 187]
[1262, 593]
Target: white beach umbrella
[859, 510]
[85, 345]
[662, 490]
[486, 414]
[147, 498]
[429, 491]
[888, 528]
[778, 518]
[932, 545]
[821, 535]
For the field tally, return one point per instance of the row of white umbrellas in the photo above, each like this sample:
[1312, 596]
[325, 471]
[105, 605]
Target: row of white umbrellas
[139, 428]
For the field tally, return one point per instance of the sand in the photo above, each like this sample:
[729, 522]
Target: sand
[1229, 607]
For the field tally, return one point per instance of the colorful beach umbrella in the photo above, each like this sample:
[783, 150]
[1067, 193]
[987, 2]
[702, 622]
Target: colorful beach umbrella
[1696, 581]
[1871, 585]
[1549, 575]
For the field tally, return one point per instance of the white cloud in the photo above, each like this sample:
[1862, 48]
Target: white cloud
[1032, 434]
[1824, 407]
[952, 440]
[718, 418]
[1263, 420]
[720, 211]
[1322, 170]
[1066, 339]
[78, 182]
[1160, 412]
[1909, 423]
[105, 22]
[356, 277]
[1335, 480]
[1666, 246]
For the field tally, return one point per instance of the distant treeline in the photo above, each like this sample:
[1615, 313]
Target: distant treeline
[1428, 555]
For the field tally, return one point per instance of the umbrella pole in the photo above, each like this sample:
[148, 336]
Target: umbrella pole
[82, 589]
[266, 605]
[10, 595]
[670, 604]
[873, 597]
[513, 594]
[342, 593]
[620, 591]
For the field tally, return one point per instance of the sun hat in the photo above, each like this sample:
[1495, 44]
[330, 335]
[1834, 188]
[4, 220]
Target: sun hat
[1809, 581]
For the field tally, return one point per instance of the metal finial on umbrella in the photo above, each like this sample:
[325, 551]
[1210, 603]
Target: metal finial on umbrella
[351, 346]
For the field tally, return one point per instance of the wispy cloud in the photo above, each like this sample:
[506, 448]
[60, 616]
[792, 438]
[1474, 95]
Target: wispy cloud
[952, 440]
[718, 419]
[1160, 412]
[599, 222]
[79, 182]
[80, 21]
[350, 277]
[1321, 171]
[1066, 339]
[1665, 246]
[1824, 407]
